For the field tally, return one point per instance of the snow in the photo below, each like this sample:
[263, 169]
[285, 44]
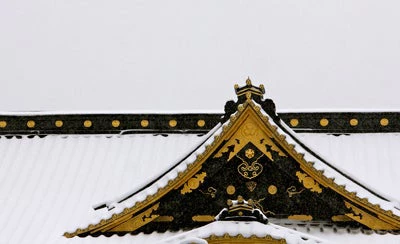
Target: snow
[372, 157]
[48, 185]
[246, 229]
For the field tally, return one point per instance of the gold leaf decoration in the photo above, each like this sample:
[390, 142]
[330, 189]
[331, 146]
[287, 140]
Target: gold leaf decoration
[203, 218]
[251, 185]
[291, 191]
[193, 183]
[308, 182]
[250, 171]
[300, 217]
[249, 153]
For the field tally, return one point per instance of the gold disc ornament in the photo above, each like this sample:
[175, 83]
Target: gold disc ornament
[230, 190]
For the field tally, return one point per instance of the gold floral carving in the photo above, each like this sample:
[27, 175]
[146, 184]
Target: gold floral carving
[249, 153]
[251, 185]
[193, 183]
[272, 189]
[226, 238]
[308, 182]
[249, 130]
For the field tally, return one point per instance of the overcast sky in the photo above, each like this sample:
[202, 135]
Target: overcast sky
[186, 55]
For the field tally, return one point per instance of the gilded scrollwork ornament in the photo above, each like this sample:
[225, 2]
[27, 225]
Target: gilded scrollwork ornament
[250, 171]
[258, 204]
[291, 191]
[211, 191]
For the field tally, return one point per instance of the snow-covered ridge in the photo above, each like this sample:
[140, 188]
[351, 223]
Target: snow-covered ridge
[245, 229]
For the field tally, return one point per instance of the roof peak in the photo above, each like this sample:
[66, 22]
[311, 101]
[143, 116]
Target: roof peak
[248, 90]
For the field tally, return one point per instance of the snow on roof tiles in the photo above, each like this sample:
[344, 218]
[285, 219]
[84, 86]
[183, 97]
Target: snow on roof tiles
[50, 184]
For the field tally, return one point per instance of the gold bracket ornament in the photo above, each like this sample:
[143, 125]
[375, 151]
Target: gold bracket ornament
[308, 182]
[193, 183]
[250, 171]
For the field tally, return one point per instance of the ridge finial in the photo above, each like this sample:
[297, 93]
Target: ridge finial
[249, 90]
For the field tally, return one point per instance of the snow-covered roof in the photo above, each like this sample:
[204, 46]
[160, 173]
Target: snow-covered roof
[49, 185]
[54, 181]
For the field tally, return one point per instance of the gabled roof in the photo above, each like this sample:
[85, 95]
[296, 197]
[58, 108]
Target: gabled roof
[140, 208]
[41, 175]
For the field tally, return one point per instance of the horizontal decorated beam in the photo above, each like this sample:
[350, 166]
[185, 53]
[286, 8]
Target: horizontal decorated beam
[334, 123]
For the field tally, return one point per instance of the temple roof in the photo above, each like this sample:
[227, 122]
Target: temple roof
[94, 177]
[76, 173]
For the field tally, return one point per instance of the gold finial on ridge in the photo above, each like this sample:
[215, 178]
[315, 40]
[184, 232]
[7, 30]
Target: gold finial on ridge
[249, 90]
[248, 81]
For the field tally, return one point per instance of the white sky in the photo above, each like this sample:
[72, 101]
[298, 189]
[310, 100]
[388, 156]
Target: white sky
[187, 55]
